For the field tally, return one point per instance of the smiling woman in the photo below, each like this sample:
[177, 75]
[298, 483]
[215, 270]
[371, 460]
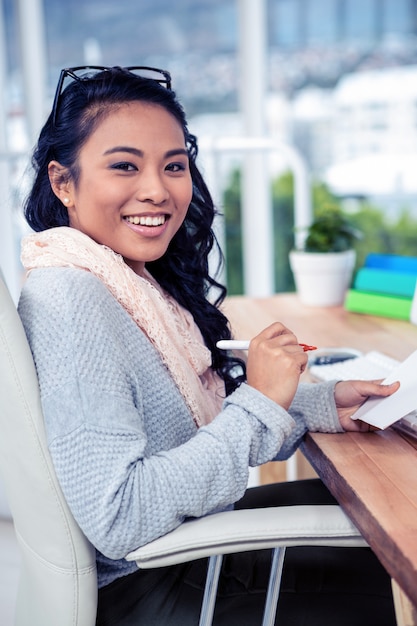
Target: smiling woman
[148, 421]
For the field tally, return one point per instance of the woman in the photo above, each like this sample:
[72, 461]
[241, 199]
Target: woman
[148, 423]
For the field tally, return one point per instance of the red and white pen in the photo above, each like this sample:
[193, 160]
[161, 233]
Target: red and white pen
[233, 344]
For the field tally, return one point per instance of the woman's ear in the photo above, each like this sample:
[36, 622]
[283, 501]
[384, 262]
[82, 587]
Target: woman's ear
[60, 182]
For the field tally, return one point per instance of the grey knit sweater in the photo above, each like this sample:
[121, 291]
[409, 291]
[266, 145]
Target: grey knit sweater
[129, 458]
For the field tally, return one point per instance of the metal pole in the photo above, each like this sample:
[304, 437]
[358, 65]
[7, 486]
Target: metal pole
[258, 257]
[8, 252]
[33, 53]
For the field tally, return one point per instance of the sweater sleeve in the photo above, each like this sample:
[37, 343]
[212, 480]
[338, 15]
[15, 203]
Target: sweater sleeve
[123, 498]
[313, 409]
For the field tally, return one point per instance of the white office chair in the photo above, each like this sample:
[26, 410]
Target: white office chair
[58, 583]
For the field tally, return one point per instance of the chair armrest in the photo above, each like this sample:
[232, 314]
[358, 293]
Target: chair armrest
[249, 529]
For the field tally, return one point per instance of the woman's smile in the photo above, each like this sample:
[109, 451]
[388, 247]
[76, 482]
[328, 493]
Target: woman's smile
[147, 225]
[144, 220]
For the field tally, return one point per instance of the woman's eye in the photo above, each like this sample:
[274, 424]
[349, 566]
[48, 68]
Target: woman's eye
[124, 166]
[176, 167]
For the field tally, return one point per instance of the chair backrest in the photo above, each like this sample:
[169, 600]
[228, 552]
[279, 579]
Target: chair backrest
[58, 581]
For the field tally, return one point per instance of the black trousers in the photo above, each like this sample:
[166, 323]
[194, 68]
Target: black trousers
[321, 586]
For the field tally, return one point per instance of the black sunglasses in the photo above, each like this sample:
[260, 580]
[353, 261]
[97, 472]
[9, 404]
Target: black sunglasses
[88, 71]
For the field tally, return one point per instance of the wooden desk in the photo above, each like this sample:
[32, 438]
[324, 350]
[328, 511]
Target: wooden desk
[372, 475]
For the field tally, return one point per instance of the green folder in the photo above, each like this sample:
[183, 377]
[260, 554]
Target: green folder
[378, 304]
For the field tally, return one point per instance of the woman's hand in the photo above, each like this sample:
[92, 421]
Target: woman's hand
[351, 394]
[275, 363]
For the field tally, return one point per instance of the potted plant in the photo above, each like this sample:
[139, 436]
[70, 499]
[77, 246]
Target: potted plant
[323, 268]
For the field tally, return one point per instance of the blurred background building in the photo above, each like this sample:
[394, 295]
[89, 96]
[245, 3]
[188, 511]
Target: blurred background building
[310, 42]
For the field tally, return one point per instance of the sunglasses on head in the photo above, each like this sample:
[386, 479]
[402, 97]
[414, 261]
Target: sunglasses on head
[87, 72]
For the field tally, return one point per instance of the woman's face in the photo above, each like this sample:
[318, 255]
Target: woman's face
[135, 184]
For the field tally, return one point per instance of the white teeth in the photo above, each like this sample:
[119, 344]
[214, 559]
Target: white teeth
[146, 220]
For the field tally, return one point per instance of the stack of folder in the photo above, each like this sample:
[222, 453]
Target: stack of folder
[384, 286]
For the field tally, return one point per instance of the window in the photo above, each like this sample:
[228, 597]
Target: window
[397, 16]
[361, 19]
[285, 23]
[322, 24]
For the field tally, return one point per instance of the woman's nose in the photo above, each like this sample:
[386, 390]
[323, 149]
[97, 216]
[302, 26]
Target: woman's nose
[151, 188]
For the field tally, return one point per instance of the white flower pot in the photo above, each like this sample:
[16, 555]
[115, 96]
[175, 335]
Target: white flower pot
[322, 278]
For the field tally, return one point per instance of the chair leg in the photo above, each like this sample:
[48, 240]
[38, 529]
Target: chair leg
[210, 590]
[271, 602]
[273, 586]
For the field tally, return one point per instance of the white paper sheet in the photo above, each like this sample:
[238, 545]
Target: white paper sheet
[382, 412]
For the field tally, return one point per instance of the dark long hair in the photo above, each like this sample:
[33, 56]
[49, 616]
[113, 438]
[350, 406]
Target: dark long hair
[183, 271]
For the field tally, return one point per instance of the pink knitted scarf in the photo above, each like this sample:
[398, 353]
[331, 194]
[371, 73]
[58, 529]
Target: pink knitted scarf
[169, 327]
